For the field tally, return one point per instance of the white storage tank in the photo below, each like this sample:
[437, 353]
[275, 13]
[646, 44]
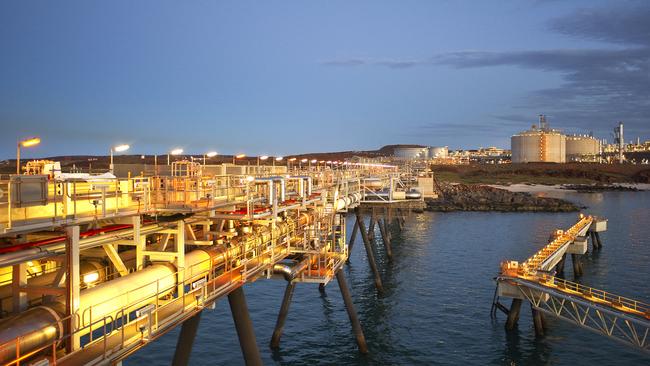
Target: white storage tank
[436, 152]
[582, 148]
[410, 153]
[539, 144]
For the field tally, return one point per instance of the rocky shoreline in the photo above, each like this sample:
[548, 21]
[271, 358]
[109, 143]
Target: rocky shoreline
[593, 188]
[475, 197]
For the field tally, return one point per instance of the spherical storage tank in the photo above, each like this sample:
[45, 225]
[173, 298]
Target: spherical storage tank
[536, 145]
[579, 147]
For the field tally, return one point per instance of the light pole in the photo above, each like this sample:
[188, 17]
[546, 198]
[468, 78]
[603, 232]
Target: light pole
[238, 156]
[33, 141]
[302, 162]
[118, 148]
[174, 152]
[279, 158]
[263, 158]
[210, 154]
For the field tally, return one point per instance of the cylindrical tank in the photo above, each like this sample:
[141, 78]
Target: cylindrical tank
[436, 152]
[582, 148]
[537, 145]
[410, 152]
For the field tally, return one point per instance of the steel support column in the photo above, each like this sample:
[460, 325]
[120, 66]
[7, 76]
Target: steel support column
[352, 313]
[186, 340]
[352, 237]
[282, 315]
[244, 326]
[384, 237]
[369, 253]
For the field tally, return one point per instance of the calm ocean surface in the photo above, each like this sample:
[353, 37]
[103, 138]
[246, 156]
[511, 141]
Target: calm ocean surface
[438, 295]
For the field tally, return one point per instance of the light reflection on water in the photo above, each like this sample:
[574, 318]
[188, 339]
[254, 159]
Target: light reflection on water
[438, 294]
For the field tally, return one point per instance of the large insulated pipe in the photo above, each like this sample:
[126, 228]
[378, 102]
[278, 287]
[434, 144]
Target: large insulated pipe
[86, 266]
[130, 292]
[36, 327]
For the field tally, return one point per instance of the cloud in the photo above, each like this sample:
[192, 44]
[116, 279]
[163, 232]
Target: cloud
[625, 23]
[600, 85]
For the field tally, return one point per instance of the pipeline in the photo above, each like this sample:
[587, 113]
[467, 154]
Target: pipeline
[291, 271]
[63, 238]
[116, 295]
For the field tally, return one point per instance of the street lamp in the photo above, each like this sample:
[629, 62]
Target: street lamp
[263, 158]
[279, 158]
[238, 156]
[118, 148]
[33, 141]
[176, 151]
[210, 154]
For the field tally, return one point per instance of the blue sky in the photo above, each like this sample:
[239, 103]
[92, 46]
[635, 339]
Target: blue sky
[301, 76]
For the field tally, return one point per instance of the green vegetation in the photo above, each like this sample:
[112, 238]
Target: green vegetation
[548, 174]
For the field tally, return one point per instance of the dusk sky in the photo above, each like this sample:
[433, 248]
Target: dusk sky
[274, 77]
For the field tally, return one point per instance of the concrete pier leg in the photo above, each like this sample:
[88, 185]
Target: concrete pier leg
[600, 243]
[577, 265]
[369, 253]
[352, 237]
[538, 322]
[321, 288]
[594, 242]
[559, 268]
[244, 326]
[513, 314]
[385, 239]
[352, 313]
[282, 315]
[186, 340]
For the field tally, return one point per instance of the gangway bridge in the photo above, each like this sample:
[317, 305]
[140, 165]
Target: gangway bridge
[536, 280]
[94, 267]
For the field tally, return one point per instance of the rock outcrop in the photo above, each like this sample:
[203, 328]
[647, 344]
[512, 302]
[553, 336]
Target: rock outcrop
[473, 197]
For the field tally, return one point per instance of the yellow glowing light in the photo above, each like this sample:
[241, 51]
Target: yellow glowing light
[264, 157]
[30, 142]
[176, 152]
[121, 148]
[279, 158]
[91, 277]
[250, 178]
[293, 159]
[211, 154]
[240, 156]
[304, 160]
[314, 161]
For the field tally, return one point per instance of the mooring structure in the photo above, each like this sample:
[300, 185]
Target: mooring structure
[539, 280]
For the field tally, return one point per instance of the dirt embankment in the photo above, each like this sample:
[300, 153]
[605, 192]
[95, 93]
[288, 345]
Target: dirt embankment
[543, 173]
[473, 197]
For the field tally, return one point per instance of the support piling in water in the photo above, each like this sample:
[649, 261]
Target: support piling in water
[559, 268]
[369, 251]
[186, 340]
[513, 314]
[352, 313]
[352, 237]
[385, 239]
[577, 265]
[538, 321]
[244, 326]
[282, 315]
